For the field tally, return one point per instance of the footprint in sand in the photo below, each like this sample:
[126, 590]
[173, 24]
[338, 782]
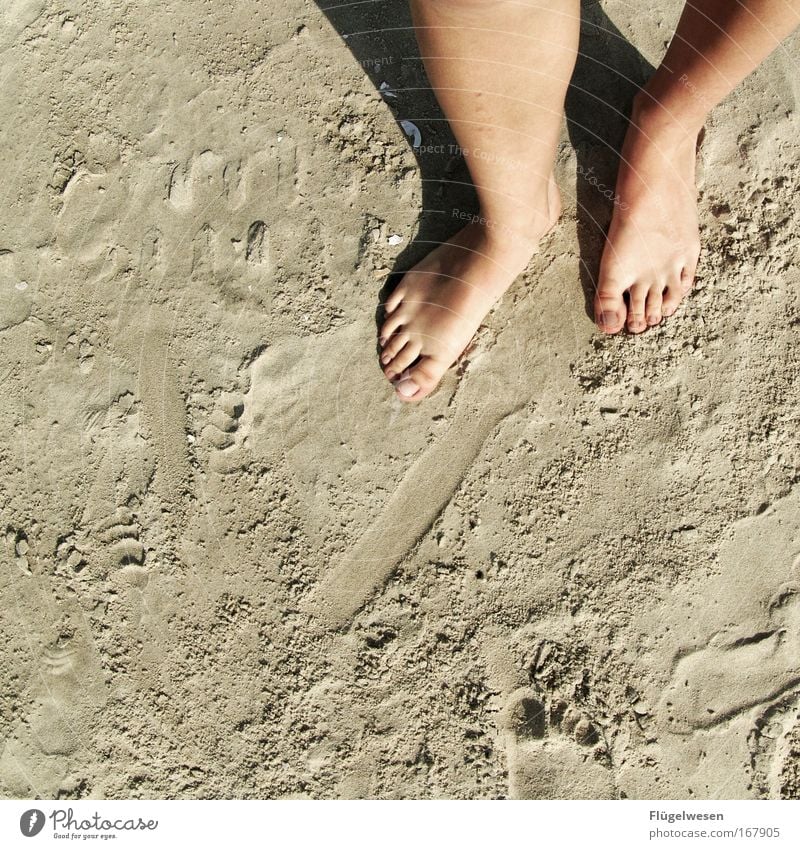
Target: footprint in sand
[302, 407]
[120, 533]
[774, 745]
[240, 207]
[49, 719]
[258, 252]
[17, 543]
[109, 538]
[191, 181]
[736, 670]
[222, 434]
[553, 752]
[70, 555]
[17, 288]
[67, 692]
[103, 250]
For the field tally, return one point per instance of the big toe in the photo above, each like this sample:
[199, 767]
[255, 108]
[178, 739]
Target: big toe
[609, 309]
[416, 383]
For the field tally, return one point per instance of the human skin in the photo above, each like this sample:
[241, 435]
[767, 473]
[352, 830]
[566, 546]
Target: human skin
[653, 243]
[500, 70]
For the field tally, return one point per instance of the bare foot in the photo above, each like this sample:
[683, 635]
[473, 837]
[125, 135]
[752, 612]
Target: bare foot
[653, 244]
[436, 308]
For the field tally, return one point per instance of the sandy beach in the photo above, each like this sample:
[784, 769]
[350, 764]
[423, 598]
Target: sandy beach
[234, 565]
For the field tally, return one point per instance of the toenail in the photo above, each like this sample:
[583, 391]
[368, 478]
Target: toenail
[382, 340]
[608, 318]
[385, 359]
[407, 388]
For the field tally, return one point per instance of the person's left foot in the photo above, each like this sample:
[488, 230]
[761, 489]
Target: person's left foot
[653, 244]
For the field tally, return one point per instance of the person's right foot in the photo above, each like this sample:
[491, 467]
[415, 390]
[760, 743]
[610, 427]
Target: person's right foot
[653, 244]
[438, 305]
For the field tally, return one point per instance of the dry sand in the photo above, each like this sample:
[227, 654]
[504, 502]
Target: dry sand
[235, 566]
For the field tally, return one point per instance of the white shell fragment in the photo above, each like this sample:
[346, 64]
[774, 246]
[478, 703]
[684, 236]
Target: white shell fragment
[412, 131]
[394, 239]
[386, 90]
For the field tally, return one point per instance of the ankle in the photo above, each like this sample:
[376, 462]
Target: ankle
[499, 237]
[519, 227]
[656, 112]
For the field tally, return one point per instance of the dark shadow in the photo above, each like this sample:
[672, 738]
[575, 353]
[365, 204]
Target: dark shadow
[380, 36]
[608, 73]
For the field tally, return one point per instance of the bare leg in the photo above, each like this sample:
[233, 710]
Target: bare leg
[500, 69]
[653, 243]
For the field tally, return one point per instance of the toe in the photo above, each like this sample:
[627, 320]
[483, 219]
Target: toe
[636, 322]
[672, 297]
[653, 305]
[391, 324]
[416, 383]
[687, 276]
[393, 347]
[678, 288]
[393, 301]
[609, 308]
[402, 360]
[674, 294]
